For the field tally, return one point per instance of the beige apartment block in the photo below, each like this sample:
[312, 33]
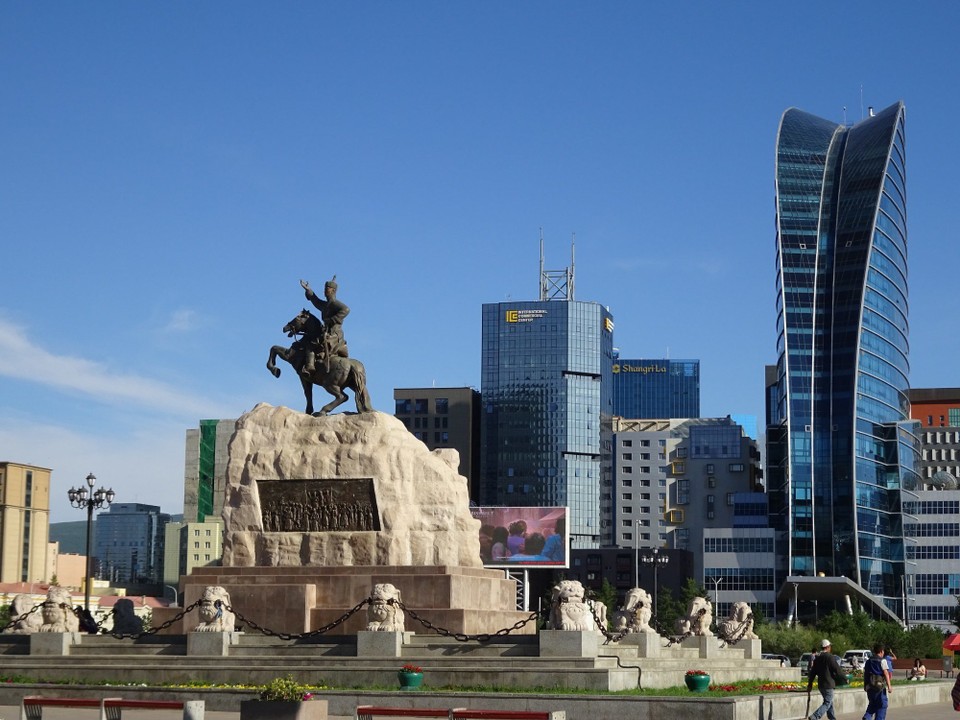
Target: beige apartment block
[24, 522]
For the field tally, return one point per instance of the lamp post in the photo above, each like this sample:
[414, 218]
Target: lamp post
[796, 604]
[655, 559]
[176, 594]
[636, 554]
[80, 498]
[716, 590]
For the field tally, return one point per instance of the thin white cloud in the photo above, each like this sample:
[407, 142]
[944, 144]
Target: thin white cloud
[145, 466]
[24, 360]
[182, 321]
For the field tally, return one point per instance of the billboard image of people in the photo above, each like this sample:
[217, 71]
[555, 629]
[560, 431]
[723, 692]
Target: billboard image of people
[523, 536]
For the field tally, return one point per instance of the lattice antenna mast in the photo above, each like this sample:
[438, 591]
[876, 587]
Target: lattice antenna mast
[557, 284]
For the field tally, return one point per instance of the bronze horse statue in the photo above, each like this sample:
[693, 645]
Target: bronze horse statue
[333, 374]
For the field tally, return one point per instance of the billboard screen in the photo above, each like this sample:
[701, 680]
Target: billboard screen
[523, 536]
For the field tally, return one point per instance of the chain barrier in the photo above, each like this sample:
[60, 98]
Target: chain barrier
[80, 613]
[462, 637]
[612, 637]
[23, 617]
[295, 636]
[736, 636]
[677, 639]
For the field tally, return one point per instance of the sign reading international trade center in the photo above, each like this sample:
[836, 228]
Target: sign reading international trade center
[521, 316]
[524, 316]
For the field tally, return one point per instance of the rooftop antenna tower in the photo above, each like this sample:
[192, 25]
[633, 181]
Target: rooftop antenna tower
[557, 284]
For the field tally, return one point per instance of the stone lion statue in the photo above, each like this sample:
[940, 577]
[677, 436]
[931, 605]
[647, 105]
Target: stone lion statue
[636, 613]
[213, 618]
[31, 623]
[698, 619]
[125, 620]
[381, 615]
[57, 612]
[740, 621]
[570, 609]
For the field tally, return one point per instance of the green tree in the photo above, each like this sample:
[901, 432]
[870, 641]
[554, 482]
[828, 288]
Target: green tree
[668, 610]
[607, 594]
[4, 615]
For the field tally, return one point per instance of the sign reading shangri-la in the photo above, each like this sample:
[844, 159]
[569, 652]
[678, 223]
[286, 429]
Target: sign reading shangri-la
[318, 505]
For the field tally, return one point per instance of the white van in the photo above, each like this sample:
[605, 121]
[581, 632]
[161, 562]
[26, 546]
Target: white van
[856, 658]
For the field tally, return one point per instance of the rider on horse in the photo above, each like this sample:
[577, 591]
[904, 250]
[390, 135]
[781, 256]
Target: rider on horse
[332, 312]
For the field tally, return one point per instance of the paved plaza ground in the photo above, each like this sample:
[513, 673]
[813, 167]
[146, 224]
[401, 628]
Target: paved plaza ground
[12, 712]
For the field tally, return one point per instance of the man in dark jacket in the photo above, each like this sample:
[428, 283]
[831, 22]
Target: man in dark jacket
[825, 669]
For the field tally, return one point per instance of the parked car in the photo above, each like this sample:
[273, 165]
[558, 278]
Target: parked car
[804, 661]
[855, 658]
[782, 659]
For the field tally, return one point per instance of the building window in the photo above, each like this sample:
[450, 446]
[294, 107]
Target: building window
[628, 443]
[736, 467]
[442, 406]
[403, 407]
[420, 406]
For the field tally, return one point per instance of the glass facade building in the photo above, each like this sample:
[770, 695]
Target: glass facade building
[129, 543]
[545, 389]
[653, 389]
[842, 445]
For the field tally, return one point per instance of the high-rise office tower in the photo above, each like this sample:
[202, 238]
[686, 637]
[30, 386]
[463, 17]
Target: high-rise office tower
[545, 386]
[842, 444]
[129, 543]
[656, 389]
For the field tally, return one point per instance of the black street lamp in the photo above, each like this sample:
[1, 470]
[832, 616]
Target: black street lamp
[82, 498]
[655, 559]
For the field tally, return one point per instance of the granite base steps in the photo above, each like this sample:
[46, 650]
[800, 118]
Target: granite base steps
[503, 662]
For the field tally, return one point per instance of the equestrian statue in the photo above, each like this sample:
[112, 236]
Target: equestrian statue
[319, 354]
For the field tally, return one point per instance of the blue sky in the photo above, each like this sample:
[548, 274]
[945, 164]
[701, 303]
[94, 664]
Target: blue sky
[171, 170]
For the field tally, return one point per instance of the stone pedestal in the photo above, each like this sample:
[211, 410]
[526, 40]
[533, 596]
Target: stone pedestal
[296, 600]
[569, 643]
[707, 645]
[751, 648]
[211, 643]
[42, 643]
[381, 644]
[648, 644]
[320, 509]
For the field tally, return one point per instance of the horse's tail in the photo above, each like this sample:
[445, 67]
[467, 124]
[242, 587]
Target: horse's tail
[360, 394]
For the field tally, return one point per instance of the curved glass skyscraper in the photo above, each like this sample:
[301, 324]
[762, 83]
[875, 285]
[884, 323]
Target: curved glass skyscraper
[845, 440]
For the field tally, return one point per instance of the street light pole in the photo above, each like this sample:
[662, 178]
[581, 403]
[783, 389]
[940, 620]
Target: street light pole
[176, 594]
[655, 559]
[636, 554]
[716, 591]
[796, 605]
[80, 498]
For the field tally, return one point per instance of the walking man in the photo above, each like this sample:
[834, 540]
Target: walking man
[876, 681]
[825, 669]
